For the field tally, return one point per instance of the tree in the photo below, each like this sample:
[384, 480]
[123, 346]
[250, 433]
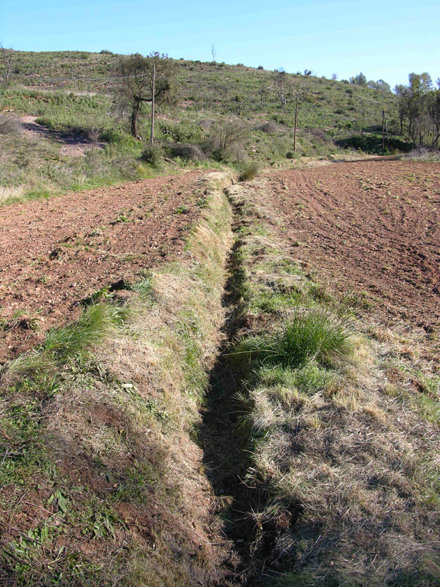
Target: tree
[282, 85]
[136, 82]
[413, 105]
[434, 114]
[6, 60]
[359, 80]
[379, 85]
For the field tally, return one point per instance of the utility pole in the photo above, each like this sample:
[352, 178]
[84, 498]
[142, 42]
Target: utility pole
[152, 106]
[383, 130]
[296, 120]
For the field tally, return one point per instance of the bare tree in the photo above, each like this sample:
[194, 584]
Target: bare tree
[137, 84]
[6, 60]
[282, 85]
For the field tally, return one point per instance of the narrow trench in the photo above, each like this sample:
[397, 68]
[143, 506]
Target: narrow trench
[225, 455]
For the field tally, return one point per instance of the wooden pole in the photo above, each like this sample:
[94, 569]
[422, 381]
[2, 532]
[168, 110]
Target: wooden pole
[152, 106]
[296, 120]
[388, 136]
[383, 130]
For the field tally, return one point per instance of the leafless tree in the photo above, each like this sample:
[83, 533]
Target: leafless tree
[6, 61]
[282, 85]
[226, 136]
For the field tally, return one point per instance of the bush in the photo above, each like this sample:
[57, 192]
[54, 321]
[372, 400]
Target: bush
[153, 155]
[186, 151]
[226, 138]
[248, 172]
[269, 128]
[46, 121]
[181, 132]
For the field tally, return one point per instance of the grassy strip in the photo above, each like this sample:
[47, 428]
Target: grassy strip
[342, 460]
[101, 482]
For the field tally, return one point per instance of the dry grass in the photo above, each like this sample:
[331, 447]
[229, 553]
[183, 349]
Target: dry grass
[115, 484]
[342, 454]
[7, 194]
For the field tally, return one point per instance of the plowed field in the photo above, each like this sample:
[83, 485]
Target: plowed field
[371, 227]
[57, 252]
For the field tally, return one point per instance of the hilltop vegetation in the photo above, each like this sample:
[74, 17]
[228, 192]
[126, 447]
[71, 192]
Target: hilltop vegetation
[220, 114]
[74, 93]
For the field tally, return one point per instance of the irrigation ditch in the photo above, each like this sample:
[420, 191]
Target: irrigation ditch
[226, 422]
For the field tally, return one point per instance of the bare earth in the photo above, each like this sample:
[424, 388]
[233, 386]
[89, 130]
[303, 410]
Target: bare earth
[365, 226]
[72, 145]
[57, 252]
[370, 226]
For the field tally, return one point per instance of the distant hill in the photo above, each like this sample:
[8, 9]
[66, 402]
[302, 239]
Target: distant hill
[337, 106]
[72, 95]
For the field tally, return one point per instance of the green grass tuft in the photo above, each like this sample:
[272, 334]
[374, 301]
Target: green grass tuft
[306, 335]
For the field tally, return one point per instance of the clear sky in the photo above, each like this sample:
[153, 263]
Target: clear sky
[385, 39]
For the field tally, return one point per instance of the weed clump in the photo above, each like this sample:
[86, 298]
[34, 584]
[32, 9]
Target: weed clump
[248, 172]
[308, 334]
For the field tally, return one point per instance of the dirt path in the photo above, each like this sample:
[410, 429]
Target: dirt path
[370, 226]
[72, 145]
[57, 252]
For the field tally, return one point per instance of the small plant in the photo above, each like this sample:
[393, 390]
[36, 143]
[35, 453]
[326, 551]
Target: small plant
[307, 335]
[248, 172]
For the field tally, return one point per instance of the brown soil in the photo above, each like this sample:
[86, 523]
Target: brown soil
[57, 252]
[370, 226]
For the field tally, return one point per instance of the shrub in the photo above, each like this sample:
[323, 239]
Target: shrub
[248, 172]
[153, 155]
[186, 151]
[226, 137]
[181, 132]
[269, 128]
[46, 121]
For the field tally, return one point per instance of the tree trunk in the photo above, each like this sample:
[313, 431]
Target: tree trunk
[296, 123]
[134, 118]
[152, 106]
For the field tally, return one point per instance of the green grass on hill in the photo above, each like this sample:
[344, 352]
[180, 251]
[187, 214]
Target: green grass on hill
[73, 92]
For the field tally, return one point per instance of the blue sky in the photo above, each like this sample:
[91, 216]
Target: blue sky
[385, 40]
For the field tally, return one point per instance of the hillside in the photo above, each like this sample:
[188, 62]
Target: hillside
[219, 88]
[71, 97]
